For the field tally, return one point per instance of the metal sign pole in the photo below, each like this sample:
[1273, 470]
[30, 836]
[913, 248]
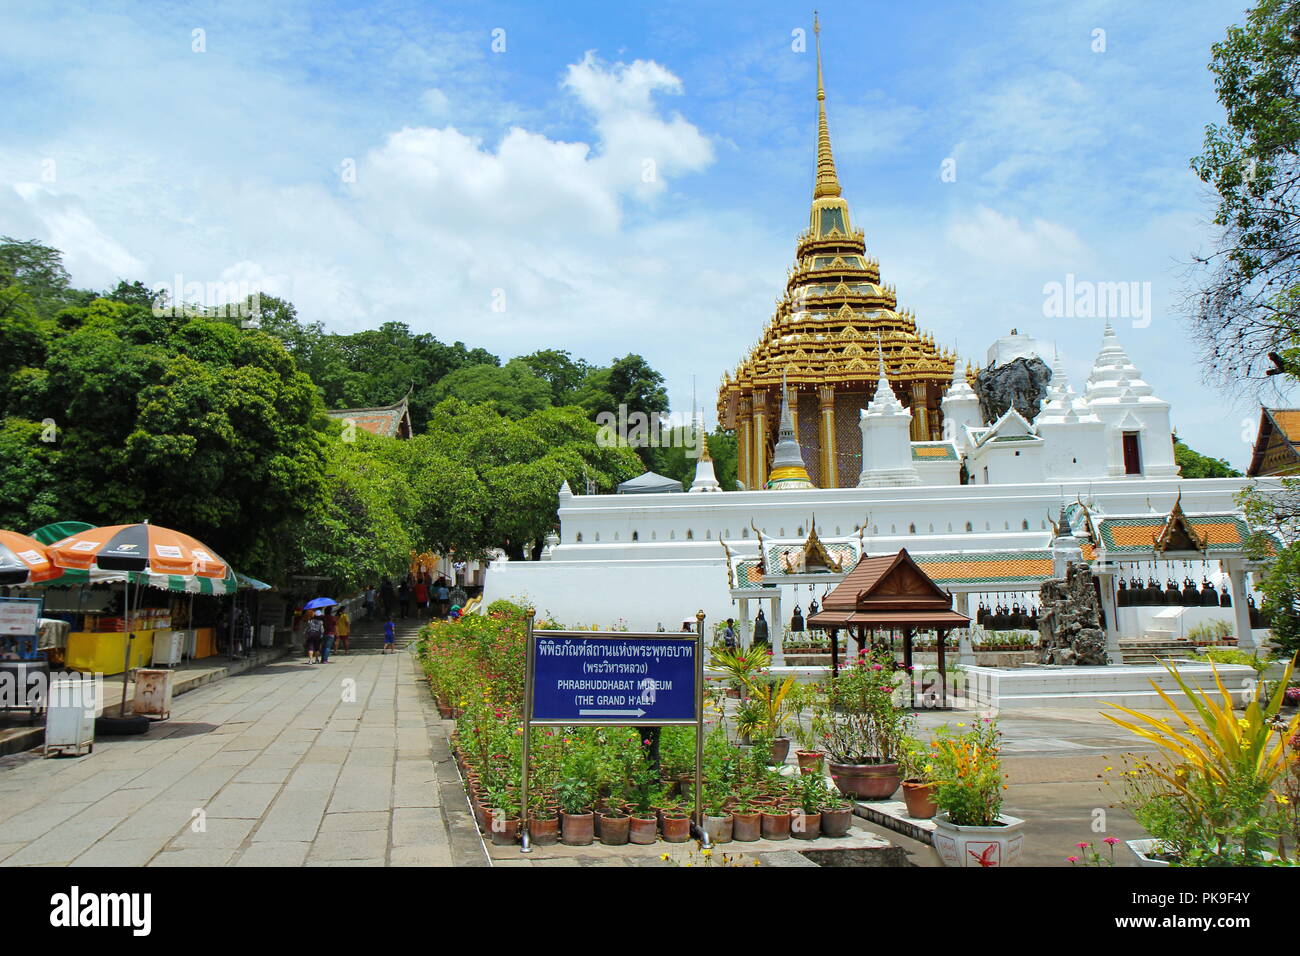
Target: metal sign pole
[699, 729]
[525, 843]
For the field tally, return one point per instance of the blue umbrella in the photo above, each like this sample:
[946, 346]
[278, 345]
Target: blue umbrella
[319, 602]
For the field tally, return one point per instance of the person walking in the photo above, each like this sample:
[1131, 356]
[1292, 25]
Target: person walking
[729, 634]
[390, 636]
[345, 630]
[442, 595]
[421, 597]
[404, 597]
[331, 632]
[370, 602]
[313, 632]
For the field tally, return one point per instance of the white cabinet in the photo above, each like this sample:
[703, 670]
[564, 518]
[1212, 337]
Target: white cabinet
[168, 646]
[70, 717]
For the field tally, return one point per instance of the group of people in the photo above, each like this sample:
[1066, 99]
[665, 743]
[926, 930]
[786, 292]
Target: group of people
[323, 630]
[417, 594]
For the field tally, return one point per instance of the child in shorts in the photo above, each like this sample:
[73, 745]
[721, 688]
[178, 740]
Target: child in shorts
[390, 636]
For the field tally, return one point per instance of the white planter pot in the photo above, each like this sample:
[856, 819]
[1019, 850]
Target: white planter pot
[979, 846]
[1142, 849]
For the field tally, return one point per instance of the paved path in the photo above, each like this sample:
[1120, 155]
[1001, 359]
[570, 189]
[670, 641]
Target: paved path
[338, 764]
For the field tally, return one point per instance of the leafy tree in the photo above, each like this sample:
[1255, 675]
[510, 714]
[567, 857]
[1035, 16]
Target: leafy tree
[1193, 464]
[1249, 302]
[359, 530]
[561, 372]
[512, 388]
[521, 464]
[30, 485]
[37, 270]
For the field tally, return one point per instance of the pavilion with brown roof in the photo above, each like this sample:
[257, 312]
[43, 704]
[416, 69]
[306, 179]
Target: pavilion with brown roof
[889, 592]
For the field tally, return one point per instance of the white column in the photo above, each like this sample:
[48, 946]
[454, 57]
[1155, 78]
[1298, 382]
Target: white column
[1240, 609]
[965, 649]
[1110, 611]
[745, 639]
[776, 628]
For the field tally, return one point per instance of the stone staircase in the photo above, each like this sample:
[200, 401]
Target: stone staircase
[369, 635]
[1150, 650]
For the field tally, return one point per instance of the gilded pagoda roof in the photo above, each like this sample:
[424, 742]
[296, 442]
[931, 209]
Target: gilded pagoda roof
[835, 308]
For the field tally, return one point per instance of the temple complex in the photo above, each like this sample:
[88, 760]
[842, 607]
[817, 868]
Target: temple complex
[823, 338]
[859, 437]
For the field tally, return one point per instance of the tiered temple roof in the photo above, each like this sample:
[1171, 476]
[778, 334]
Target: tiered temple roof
[824, 332]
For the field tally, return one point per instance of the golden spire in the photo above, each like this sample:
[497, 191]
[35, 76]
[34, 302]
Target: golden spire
[828, 183]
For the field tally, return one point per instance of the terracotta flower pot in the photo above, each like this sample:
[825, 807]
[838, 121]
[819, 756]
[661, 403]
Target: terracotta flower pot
[643, 830]
[810, 761]
[544, 832]
[677, 829]
[868, 781]
[614, 830]
[780, 750]
[836, 823]
[775, 825]
[504, 829]
[919, 798]
[805, 826]
[746, 827]
[718, 828]
[576, 829]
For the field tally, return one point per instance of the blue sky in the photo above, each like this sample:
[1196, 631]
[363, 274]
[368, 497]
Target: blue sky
[501, 198]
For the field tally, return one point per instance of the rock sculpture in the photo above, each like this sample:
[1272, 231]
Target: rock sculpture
[1070, 621]
[1020, 383]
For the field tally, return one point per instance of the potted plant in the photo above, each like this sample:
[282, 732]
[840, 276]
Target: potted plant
[918, 788]
[577, 822]
[775, 822]
[717, 821]
[771, 697]
[643, 822]
[502, 819]
[837, 815]
[808, 697]
[543, 822]
[614, 825]
[1227, 798]
[746, 820]
[806, 821]
[970, 829]
[675, 824]
[865, 733]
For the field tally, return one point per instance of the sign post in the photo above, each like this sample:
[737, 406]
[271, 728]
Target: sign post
[612, 679]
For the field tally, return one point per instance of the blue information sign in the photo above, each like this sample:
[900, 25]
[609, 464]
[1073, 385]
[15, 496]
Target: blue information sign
[622, 679]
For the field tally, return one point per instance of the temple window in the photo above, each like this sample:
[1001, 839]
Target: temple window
[597, 538]
[893, 529]
[911, 529]
[969, 526]
[615, 535]
[1024, 525]
[1132, 454]
[654, 535]
[579, 538]
[690, 535]
[635, 536]
[744, 532]
[931, 529]
[800, 531]
[672, 535]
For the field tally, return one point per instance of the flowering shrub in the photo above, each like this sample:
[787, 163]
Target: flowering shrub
[866, 727]
[967, 774]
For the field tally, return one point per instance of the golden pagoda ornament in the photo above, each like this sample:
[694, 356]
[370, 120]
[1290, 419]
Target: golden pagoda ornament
[834, 301]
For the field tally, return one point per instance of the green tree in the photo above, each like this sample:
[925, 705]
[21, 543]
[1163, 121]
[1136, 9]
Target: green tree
[560, 371]
[1248, 305]
[512, 388]
[31, 492]
[360, 530]
[1192, 464]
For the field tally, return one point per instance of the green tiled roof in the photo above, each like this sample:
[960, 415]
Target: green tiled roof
[1003, 567]
[934, 451]
[1223, 532]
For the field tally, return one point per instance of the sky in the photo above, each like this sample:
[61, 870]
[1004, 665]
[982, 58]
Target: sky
[613, 178]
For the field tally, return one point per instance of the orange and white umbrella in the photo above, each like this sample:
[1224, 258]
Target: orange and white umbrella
[138, 547]
[24, 560]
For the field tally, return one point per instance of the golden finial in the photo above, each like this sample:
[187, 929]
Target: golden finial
[828, 183]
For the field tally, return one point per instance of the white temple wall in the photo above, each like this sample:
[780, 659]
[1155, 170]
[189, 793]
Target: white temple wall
[1150, 419]
[938, 472]
[1075, 450]
[1008, 463]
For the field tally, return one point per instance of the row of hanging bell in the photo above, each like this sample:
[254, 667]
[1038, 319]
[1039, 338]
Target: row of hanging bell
[1133, 594]
[1001, 618]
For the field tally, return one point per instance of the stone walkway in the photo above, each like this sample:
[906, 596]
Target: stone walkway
[289, 765]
